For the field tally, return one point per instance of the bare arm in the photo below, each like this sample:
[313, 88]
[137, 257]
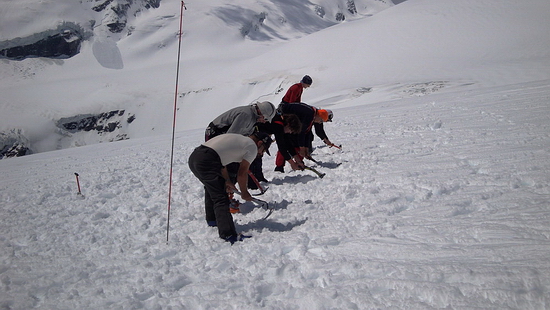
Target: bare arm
[242, 180]
[229, 186]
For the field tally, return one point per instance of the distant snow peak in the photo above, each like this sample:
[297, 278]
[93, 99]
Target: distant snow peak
[118, 11]
[276, 19]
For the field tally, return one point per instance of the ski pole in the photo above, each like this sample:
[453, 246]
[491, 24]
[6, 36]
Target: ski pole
[78, 183]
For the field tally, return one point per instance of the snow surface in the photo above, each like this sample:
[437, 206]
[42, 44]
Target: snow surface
[439, 197]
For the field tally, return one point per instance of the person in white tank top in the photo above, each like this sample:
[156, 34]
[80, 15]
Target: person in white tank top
[208, 163]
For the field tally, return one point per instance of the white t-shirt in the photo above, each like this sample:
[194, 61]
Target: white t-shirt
[233, 148]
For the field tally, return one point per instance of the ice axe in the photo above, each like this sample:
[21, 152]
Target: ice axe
[321, 175]
[261, 203]
[78, 185]
[255, 180]
[312, 159]
[336, 146]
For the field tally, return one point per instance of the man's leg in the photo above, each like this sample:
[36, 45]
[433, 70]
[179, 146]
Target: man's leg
[220, 199]
[205, 165]
[209, 209]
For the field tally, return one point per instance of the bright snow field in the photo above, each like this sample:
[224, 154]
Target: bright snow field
[439, 201]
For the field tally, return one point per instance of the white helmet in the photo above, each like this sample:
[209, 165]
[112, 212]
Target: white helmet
[267, 109]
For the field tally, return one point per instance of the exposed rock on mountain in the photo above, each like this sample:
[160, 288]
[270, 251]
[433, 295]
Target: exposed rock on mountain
[118, 11]
[272, 19]
[102, 123]
[13, 144]
[65, 40]
[62, 42]
[118, 34]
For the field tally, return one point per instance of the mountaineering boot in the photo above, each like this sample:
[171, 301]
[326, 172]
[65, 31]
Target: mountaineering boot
[212, 223]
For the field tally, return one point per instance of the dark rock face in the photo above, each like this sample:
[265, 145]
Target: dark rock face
[16, 150]
[100, 7]
[65, 41]
[102, 123]
[13, 144]
[118, 11]
[62, 45]
[108, 126]
[62, 42]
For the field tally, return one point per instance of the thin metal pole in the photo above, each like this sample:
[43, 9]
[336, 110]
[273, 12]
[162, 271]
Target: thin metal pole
[174, 122]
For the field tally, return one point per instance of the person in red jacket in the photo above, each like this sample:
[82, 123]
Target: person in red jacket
[294, 93]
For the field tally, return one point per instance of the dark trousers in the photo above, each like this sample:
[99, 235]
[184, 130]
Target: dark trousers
[205, 164]
[257, 171]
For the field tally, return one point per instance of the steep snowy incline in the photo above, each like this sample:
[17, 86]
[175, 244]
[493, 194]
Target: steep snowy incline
[455, 45]
[433, 202]
[447, 44]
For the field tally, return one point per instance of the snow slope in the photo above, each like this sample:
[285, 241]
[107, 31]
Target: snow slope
[135, 70]
[431, 203]
[449, 45]
[439, 197]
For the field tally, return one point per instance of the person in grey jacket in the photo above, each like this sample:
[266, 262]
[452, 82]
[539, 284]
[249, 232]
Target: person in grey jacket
[241, 120]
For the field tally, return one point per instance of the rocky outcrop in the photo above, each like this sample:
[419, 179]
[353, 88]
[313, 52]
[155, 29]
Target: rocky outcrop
[102, 123]
[61, 42]
[117, 12]
[73, 131]
[13, 144]
[275, 19]
[65, 40]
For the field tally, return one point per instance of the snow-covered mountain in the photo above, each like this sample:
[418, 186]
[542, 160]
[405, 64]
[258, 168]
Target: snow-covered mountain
[232, 55]
[438, 199]
[110, 42]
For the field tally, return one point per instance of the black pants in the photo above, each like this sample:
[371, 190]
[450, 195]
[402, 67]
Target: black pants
[257, 171]
[205, 164]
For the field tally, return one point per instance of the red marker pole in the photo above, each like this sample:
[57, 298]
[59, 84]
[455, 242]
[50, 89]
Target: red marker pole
[78, 183]
[174, 122]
